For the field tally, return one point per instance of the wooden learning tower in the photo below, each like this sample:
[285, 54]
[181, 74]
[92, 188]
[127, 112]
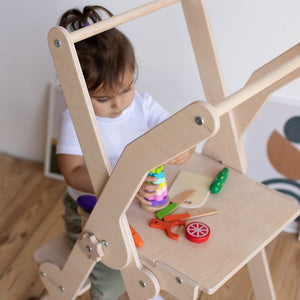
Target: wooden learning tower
[251, 214]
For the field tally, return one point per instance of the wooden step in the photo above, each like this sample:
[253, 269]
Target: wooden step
[57, 252]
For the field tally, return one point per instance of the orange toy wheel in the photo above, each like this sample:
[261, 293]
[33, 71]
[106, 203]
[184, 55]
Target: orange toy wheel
[197, 232]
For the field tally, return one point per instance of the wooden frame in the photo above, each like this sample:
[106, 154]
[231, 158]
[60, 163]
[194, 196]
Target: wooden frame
[148, 270]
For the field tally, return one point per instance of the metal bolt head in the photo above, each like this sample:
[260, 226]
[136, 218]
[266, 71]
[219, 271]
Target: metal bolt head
[43, 274]
[104, 243]
[57, 43]
[179, 280]
[199, 120]
[142, 283]
[62, 289]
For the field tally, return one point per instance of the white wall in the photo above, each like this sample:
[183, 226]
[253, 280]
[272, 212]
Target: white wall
[247, 34]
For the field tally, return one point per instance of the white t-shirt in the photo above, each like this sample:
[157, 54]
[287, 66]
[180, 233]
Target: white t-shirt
[143, 114]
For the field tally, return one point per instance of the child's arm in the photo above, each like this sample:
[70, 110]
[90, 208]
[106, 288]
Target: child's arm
[76, 175]
[75, 172]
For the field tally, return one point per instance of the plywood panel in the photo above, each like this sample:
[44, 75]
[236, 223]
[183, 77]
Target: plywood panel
[217, 260]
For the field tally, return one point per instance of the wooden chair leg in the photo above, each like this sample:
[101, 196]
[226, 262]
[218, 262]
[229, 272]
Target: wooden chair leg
[261, 277]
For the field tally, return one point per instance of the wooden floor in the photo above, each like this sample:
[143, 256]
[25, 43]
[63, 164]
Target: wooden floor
[31, 208]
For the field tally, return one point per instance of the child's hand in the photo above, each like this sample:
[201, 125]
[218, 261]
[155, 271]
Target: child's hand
[147, 190]
[182, 158]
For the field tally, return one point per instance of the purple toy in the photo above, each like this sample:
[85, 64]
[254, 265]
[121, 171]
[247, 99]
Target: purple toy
[87, 202]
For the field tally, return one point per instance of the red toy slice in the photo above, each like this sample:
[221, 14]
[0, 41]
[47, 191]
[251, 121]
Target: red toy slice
[197, 232]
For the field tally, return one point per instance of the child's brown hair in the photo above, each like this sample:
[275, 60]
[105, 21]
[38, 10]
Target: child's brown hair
[104, 57]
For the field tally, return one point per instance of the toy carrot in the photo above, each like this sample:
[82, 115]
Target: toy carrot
[218, 182]
[137, 239]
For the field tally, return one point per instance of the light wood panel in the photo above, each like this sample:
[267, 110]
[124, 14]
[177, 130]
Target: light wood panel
[274, 75]
[24, 282]
[79, 103]
[226, 145]
[113, 203]
[216, 258]
[244, 114]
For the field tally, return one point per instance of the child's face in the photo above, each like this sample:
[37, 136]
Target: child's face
[110, 104]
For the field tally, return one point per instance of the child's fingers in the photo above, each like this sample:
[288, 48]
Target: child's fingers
[146, 194]
[149, 187]
[147, 190]
[182, 158]
[151, 178]
[143, 200]
[179, 160]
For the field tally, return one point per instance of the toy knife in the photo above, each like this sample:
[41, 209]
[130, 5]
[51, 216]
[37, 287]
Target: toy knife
[174, 203]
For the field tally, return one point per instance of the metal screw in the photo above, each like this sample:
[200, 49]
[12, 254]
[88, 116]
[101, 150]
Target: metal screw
[179, 280]
[142, 283]
[104, 243]
[199, 120]
[89, 248]
[57, 43]
[43, 274]
[62, 289]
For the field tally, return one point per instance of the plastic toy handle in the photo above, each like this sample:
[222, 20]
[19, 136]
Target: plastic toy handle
[166, 210]
[136, 238]
[167, 226]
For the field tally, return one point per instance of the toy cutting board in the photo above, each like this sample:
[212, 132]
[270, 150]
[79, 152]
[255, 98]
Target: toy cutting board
[191, 181]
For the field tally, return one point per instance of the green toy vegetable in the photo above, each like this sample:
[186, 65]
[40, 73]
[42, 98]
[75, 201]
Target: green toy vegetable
[218, 182]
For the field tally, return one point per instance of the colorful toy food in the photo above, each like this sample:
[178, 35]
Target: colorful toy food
[197, 232]
[218, 182]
